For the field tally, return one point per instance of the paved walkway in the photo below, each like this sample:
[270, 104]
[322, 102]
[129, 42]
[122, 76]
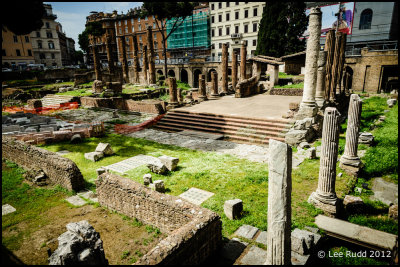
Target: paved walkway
[257, 106]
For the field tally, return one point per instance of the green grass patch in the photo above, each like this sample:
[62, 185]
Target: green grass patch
[290, 86]
[78, 93]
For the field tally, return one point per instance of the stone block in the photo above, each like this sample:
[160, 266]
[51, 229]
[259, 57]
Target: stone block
[304, 145]
[147, 179]
[94, 156]
[311, 153]
[391, 102]
[262, 238]
[76, 138]
[105, 148]
[169, 162]
[353, 203]
[365, 138]
[100, 171]
[246, 231]
[157, 167]
[233, 208]
[303, 124]
[302, 241]
[294, 137]
[394, 212]
[6, 209]
[294, 106]
[255, 256]
[159, 186]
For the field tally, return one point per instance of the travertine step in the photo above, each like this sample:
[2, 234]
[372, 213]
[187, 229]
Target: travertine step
[52, 99]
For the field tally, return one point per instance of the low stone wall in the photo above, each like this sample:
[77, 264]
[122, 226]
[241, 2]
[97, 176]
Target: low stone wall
[286, 91]
[58, 169]
[247, 87]
[147, 106]
[194, 233]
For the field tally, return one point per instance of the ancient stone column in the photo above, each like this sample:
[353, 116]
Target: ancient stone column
[330, 50]
[224, 69]
[179, 95]
[274, 75]
[325, 196]
[335, 67]
[173, 96]
[202, 88]
[279, 204]
[234, 69]
[308, 105]
[350, 162]
[109, 54]
[214, 85]
[135, 59]
[320, 88]
[145, 63]
[152, 69]
[124, 59]
[243, 53]
[96, 63]
[341, 62]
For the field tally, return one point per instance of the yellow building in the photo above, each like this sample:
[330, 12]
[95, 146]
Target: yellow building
[16, 50]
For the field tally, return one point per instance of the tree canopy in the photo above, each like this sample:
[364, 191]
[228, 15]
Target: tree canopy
[22, 17]
[281, 26]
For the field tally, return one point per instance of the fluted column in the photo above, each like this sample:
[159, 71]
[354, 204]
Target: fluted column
[320, 88]
[314, 28]
[243, 53]
[224, 69]
[145, 64]
[325, 196]
[330, 50]
[234, 69]
[135, 59]
[202, 87]
[279, 204]
[350, 162]
[152, 69]
[214, 85]
[173, 96]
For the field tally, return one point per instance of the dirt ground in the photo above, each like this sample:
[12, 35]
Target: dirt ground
[123, 242]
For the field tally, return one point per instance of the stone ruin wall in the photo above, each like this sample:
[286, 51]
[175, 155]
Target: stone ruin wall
[247, 87]
[194, 233]
[286, 92]
[58, 169]
[147, 106]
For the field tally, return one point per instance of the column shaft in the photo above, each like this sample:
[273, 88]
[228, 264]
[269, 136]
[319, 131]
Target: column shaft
[234, 69]
[152, 73]
[224, 68]
[243, 53]
[320, 87]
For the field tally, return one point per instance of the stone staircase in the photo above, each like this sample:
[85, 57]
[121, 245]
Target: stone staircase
[233, 128]
[51, 99]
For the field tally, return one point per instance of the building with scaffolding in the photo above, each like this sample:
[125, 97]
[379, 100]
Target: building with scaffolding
[191, 39]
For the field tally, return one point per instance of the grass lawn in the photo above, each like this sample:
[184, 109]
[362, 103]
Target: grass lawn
[290, 86]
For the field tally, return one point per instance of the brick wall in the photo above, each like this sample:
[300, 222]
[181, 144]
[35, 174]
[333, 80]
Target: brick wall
[58, 169]
[194, 233]
[147, 106]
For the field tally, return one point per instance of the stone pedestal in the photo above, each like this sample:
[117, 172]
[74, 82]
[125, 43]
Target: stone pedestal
[311, 67]
[325, 196]
[224, 69]
[320, 87]
[173, 97]
[202, 88]
[350, 162]
[279, 204]
[274, 75]
[214, 85]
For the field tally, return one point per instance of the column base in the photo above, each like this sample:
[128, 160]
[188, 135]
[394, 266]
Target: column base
[306, 112]
[320, 102]
[214, 96]
[173, 104]
[351, 165]
[202, 98]
[330, 205]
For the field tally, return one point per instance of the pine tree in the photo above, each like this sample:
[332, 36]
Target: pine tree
[281, 25]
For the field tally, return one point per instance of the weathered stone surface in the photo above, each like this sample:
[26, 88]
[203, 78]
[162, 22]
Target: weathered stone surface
[302, 241]
[246, 231]
[147, 179]
[105, 148]
[262, 238]
[303, 124]
[311, 153]
[385, 191]
[353, 203]
[76, 201]
[76, 138]
[366, 138]
[157, 167]
[81, 244]
[279, 203]
[6, 209]
[232, 249]
[94, 156]
[255, 256]
[170, 162]
[304, 145]
[391, 102]
[320, 84]
[100, 171]
[233, 208]
[394, 212]
[196, 195]
[159, 186]
[294, 137]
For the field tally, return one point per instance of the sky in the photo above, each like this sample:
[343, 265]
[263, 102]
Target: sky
[72, 15]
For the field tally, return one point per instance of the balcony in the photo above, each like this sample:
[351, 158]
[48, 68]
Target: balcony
[236, 35]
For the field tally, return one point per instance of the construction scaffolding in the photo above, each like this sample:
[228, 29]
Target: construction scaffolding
[193, 32]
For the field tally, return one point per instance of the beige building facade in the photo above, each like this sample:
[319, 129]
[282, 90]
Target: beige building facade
[17, 50]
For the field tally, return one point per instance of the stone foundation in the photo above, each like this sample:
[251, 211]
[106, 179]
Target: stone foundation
[147, 106]
[247, 87]
[194, 233]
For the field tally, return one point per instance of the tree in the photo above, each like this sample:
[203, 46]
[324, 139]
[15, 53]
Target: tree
[83, 41]
[164, 11]
[281, 26]
[22, 18]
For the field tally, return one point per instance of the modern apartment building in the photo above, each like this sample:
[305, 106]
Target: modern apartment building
[45, 41]
[67, 46]
[17, 50]
[234, 22]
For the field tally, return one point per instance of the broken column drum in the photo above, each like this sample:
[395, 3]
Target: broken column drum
[320, 87]
[325, 196]
[312, 51]
[224, 69]
[243, 53]
[350, 160]
[279, 204]
[234, 69]
[214, 84]
[152, 71]
[202, 87]
[173, 97]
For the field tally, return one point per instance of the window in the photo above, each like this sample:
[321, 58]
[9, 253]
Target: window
[53, 56]
[138, 19]
[154, 25]
[155, 45]
[254, 42]
[140, 38]
[37, 34]
[212, 32]
[120, 30]
[18, 52]
[220, 45]
[51, 45]
[236, 14]
[246, 13]
[237, 3]
[140, 27]
[227, 16]
[146, 18]
[127, 40]
[219, 17]
[49, 34]
[254, 27]
[212, 19]
[15, 39]
[227, 4]
[47, 25]
[42, 56]
[213, 47]
[219, 31]
[228, 30]
[236, 28]
[219, 5]
[155, 36]
[365, 19]
[255, 12]
[4, 52]
[26, 39]
[39, 44]
[212, 6]
[246, 28]
[119, 23]
[126, 29]
[29, 52]
[133, 29]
